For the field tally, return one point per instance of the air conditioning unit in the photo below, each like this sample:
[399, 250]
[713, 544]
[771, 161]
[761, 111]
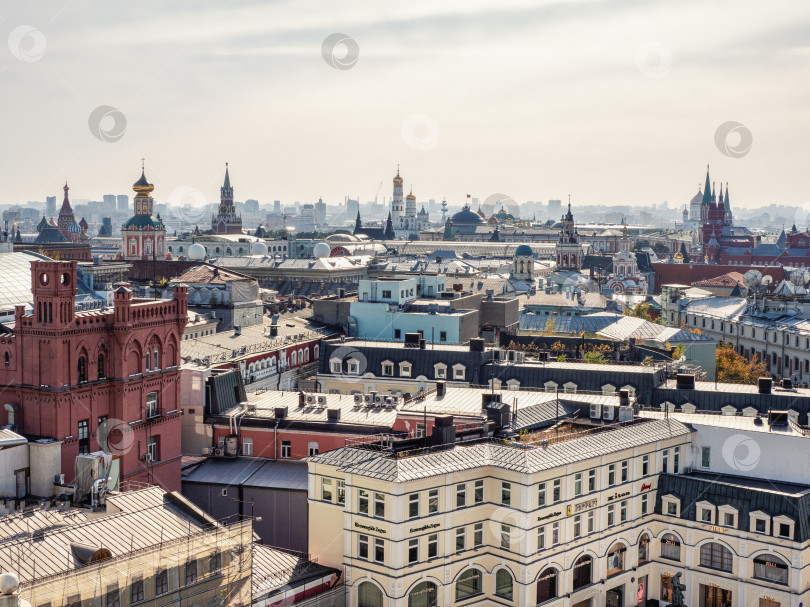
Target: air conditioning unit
[358, 398]
[388, 401]
[218, 451]
[378, 400]
[311, 400]
[367, 398]
[147, 457]
[596, 411]
[608, 412]
[322, 400]
[206, 450]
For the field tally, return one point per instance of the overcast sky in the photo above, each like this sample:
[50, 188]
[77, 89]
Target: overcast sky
[612, 101]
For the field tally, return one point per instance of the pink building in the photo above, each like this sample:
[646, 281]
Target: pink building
[81, 377]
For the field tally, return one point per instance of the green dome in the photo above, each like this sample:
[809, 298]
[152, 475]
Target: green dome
[142, 221]
[524, 249]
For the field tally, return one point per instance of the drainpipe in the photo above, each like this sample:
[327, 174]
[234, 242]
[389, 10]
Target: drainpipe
[275, 441]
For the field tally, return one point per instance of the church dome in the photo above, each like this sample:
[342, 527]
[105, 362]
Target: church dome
[697, 199]
[74, 228]
[142, 221]
[142, 186]
[466, 217]
[524, 249]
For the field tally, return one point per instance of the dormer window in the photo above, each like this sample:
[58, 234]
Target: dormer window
[404, 369]
[387, 368]
[354, 366]
[459, 372]
[440, 371]
[336, 365]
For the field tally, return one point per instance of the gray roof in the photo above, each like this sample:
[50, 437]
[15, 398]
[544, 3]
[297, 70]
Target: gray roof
[521, 459]
[250, 472]
[275, 570]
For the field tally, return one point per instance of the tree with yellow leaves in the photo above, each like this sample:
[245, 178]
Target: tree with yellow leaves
[734, 368]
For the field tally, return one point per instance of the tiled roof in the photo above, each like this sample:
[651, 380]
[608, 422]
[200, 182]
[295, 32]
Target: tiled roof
[521, 459]
[730, 279]
[208, 274]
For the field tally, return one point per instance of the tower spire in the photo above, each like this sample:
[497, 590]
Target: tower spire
[707, 188]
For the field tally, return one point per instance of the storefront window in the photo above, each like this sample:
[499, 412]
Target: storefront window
[615, 560]
[615, 597]
[582, 571]
[670, 547]
[547, 585]
[714, 596]
[771, 569]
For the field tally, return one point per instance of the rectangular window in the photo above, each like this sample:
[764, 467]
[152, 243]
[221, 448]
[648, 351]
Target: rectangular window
[623, 511]
[676, 460]
[784, 530]
[461, 539]
[162, 582]
[337, 366]
[362, 501]
[665, 460]
[442, 335]
[705, 515]
[625, 471]
[388, 369]
[152, 449]
[151, 405]
[433, 501]
[645, 465]
[397, 333]
[286, 449]
[541, 538]
[478, 495]
[611, 475]
[728, 519]
[577, 484]
[215, 562]
[645, 504]
[433, 546]
[341, 492]
[505, 532]
[461, 495]
[362, 546]
[379, 505]
[577, 525]
[312, 449]
[611, 515]
[591, 481]
[136, 591]
[555, 534]
[413, 505]
[478, 535]
[191, 572]
[326, 489]
[113, 597]
[247, 447]
[506, 493]
[705, 457]
[541, 495]
[760, 525]
[405, 370]
[379, 550]
[557, 490]
[591, 519]
[413, 551]
[440, 372]
[84, 436]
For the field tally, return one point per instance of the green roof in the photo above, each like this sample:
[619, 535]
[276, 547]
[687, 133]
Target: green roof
[142, 221]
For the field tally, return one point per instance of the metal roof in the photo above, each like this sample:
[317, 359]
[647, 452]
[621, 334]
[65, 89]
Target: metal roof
[250, 472]
[275, 569]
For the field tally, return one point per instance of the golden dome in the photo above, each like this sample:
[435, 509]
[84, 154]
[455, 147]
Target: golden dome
[142, 186]
[677, 255]
[397, 178]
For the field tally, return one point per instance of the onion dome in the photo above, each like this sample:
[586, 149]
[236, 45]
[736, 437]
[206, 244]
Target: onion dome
[142, 187]
[410, 196]
[52, 223]
[83, 224]
[74, 228]
[397, 178]
[678, 255]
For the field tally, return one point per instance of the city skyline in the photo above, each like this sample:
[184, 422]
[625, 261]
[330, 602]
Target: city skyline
[616, 103]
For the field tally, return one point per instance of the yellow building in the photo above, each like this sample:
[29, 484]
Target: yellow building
[584, 515]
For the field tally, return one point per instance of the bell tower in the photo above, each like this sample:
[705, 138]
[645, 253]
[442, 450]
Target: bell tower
[54, 287]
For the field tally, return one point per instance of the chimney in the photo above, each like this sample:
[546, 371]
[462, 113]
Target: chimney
[476, 344]
[441, 388]
[765, 385]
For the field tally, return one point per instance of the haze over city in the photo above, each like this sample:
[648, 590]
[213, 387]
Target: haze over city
[613, 102]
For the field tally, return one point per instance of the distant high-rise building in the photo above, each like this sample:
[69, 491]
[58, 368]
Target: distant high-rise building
[251, 206]
[554, 207]
[109, 199]
[277, 207]
[352, 207]
[123, 202]
[50, 206]
[320, 211]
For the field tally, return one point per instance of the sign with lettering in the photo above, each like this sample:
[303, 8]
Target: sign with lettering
[646, 487]
[617, 496]
[548, 516]
[424, 527]
[369, 527]
[716, 529]
[585, 505]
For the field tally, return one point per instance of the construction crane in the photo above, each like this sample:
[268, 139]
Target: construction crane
[378, 192]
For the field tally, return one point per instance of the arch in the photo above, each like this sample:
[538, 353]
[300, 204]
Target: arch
[81, 367]
[316, 351]
[616, 558]
[644, 547]
[771, 567]
[469, 583]
[547, 585]
[715, 555]
[101, 371]
[170, 351]
[7, 360]
[504, 583]
[423, 594]
[583, 571]
[670, 546]
[293, 358]
[369, 594]
[134, 359]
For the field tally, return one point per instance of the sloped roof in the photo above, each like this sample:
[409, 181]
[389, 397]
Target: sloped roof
[208, 274]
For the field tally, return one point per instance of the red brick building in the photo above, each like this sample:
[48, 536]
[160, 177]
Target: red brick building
[81, 377]
[667, 273]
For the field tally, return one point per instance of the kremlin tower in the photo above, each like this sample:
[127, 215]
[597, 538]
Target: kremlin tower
[226, 221]
[66, 217]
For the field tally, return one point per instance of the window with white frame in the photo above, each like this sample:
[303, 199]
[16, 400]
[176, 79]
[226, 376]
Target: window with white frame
[247, 446]
[705, 512]
[512, 384]
[760, 522]
[570, 387]
[405, 369]
[336, 365]
[312, 449]
[550, 386]
[705, 457]
[440, 371]
[387, 368]
[783, 527]
[459, 372]
[354, 366]
[727, 516]
[671, 505]
[151, 405]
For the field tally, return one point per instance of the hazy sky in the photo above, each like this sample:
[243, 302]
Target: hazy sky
[613, 101]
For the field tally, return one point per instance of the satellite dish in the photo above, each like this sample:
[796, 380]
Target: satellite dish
[421, 386]
[752, 278]
[766, 280]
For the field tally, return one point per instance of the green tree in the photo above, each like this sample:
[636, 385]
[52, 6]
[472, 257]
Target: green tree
[595, 357]
[684, 252]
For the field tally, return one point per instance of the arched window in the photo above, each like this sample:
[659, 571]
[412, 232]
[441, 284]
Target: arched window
[155, 360]
[8, 360]
[423, 594]
[771, 569]
[306, 355]
[503, 584]
[615, 559]
[101, 374]
[583, 568]
[148, 360]
[317, 351]
[716, 556]
[368, 595]
[643, 548]
[670, 547]
[82, 369]
[547, 585]
[468, 584]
